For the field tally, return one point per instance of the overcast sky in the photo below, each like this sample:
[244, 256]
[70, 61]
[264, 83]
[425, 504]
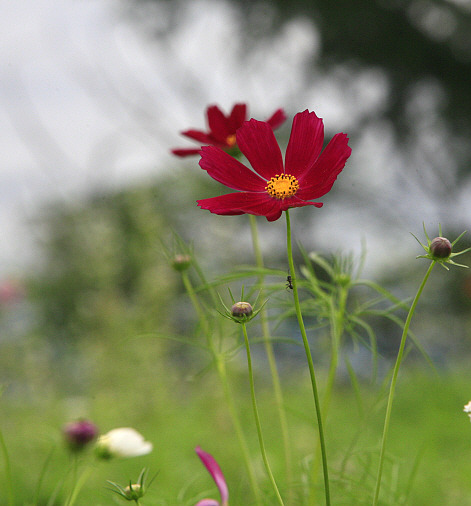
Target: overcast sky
[90, 99]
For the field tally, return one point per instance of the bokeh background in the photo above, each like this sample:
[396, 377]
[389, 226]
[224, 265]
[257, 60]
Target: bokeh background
[93, 95]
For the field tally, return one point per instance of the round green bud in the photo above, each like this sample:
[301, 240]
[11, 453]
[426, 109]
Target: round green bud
[440, 247]
[134, 492]
[181, 262]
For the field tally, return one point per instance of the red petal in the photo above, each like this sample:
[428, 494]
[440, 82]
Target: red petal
[185, 151]
[218, 123]
[260, 204]
[227, 170]
[297, 202]
[257, 142]
[277, 118]
[198, 135]
[305, 143]
[237, 117]
[215, 471]
[274, 216]
[319, 180]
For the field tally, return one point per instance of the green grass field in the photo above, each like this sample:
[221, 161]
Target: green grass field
[133, 383]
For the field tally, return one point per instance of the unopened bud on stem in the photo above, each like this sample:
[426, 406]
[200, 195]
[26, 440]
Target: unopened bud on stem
[440, 247]
[242, 310]
[181, 262]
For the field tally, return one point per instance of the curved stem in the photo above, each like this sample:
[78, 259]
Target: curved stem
[79, 483]
[222, 373]
[392, 387]
[257, 418]
[309, 358]
[279, 401]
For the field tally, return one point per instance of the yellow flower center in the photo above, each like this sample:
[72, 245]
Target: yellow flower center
[231, 140]
[282, 186]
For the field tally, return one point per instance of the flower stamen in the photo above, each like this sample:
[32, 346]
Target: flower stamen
[282, 186]
[231, 140]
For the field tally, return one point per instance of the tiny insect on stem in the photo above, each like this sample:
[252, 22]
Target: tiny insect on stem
[289, 282]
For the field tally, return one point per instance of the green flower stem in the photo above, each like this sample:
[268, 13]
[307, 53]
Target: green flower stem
[308, 357]
[222, 373]
[257, 418]
[392, 387]
[79, 483]
[337, 317]
[8, 473]
[336, 321]
[279, 401]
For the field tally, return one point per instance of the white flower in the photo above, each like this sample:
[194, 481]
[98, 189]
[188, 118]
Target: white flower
[122, 442]
[467, 409]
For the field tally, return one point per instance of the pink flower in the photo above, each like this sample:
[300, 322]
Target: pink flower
[11, 291]
[274, 186]
[222, 129]
[215, 471]
[79, 434]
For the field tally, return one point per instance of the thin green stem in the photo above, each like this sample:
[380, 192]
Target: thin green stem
[42, 475]
[392, 387]
[222, 373]
[308, 357]
[78, 484]
[257, 418]
[8, 473]
[279, 401]
[199, 310]
[337, 318]
[336, 323]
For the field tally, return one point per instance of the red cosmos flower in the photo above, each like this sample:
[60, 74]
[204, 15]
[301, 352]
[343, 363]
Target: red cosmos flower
[307, 173]
[222, 128]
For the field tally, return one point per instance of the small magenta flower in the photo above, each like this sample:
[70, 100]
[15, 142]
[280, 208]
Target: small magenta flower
[215, 471]
[440, 249]
[123, 442]
[222, 129]
[79, 434]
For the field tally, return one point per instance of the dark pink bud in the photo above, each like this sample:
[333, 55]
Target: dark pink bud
[79, 434]
[241, 309]
[440, 247]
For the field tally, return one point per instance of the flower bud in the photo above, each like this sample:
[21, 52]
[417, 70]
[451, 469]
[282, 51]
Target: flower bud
[440, 247]
[79, 434]
[181, 262]
[241, 310]
[134, 492]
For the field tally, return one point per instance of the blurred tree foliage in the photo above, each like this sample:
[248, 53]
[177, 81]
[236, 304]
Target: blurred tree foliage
[415, 44]
[105, 261]
[103, 269]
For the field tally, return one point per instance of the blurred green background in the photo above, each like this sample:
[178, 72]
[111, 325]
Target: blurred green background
[93, 325]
